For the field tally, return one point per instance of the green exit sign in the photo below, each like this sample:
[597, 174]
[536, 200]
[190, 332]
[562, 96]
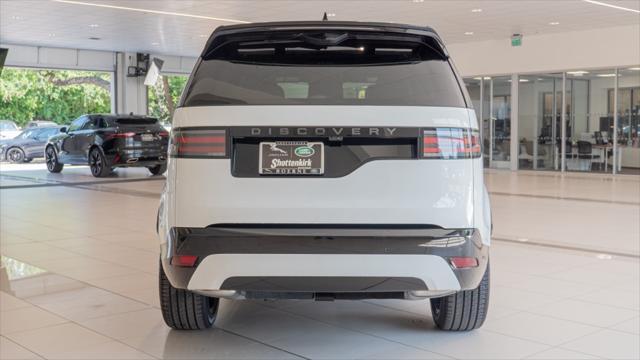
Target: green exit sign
[516, 40]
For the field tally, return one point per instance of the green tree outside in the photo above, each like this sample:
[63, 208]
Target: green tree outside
[167, 86]
[55, 95]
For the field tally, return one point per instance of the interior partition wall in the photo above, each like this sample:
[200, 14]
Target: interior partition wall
[577, 120]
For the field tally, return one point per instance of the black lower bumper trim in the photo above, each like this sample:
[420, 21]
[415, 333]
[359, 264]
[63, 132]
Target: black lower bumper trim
[325, 239]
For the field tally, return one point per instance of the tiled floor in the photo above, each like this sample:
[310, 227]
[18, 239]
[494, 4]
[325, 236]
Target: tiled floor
[79, 263]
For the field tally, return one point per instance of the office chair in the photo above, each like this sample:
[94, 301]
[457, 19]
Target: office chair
[585, 151]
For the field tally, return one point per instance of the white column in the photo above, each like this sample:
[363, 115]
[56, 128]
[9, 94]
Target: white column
[615, 125]
[515, 141]
[131, 93]
[563, 128]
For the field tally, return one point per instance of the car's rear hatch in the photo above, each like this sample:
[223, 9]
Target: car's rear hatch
[324, 124]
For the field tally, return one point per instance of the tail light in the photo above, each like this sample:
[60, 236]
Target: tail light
[463, 262]
[163, 133]
[451, 143]
[197, 143]
[184, 260]
[122, 135]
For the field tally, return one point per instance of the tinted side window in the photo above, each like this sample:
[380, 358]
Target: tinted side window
[90, 124]
[46, 133]
[77, 123]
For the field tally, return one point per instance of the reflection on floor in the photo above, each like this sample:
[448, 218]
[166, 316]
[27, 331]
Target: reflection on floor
[79, 280]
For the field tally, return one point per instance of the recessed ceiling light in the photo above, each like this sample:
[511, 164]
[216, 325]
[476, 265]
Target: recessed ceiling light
[93, 25]
[604, 256]
[554, 23]
[418, 1]
[468, 33]
[155, 43]
[607, 75]
[51, 34]
[612, 6]
[577, 72]
[331, 14]
[16, 17]
[476, 10]
[150, 11]
[634, 68]
[523, 80]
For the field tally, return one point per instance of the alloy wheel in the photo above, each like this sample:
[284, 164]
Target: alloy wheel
[50, 158]
[15, 155]
[95, 162]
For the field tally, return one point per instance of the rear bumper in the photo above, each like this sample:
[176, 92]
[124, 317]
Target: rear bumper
[127, 158]
[327, 259]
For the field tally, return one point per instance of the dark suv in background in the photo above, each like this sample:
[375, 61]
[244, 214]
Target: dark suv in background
[108, 141]
[29, 144]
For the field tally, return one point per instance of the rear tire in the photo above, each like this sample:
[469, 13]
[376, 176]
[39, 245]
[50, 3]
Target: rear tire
[464, 310]
[185, 310]
[98, 163]
[52, 160]
[158, 169]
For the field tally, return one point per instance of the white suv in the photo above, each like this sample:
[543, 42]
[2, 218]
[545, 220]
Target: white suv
[324, 160]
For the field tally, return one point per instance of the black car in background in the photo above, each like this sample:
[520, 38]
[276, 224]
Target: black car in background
[105, 142]
[29, 144]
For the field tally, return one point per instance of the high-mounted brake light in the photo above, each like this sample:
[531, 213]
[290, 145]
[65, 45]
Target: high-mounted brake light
[198, 143]
[450, 143]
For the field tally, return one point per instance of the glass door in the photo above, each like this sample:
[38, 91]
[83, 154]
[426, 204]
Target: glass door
[500, 122]
[538, 117]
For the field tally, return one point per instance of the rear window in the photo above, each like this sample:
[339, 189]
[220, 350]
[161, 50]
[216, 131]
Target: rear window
[300, 69]
[134, 121]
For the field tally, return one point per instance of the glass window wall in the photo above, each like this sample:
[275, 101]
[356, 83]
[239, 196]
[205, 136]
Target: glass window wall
[601, 127]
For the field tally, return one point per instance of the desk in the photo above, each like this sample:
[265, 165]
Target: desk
[596, 149]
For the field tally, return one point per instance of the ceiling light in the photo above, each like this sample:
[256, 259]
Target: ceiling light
[524, 80]
[604, 256]
[554, 23]
[634, 68]
[149, 11]
[577, 73]
[612, 6]
[331, 14]
[468, 33]
[155, 43]
[51, 34]
[418, 1]
[476, 10]
[16, 17]
[606, 75]
[203, 35]
[93, 25]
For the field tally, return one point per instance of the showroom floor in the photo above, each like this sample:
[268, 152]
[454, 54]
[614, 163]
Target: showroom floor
[79, 264]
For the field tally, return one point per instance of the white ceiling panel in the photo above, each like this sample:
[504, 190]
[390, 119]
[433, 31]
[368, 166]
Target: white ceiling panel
[182, 27]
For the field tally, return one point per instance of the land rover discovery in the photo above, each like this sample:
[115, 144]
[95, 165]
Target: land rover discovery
[327, 161]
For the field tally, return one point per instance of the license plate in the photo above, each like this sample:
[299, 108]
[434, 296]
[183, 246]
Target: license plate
[291, 158]
[148, 137]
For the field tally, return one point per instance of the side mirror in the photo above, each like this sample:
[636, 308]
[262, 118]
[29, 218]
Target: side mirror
[63, 129]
